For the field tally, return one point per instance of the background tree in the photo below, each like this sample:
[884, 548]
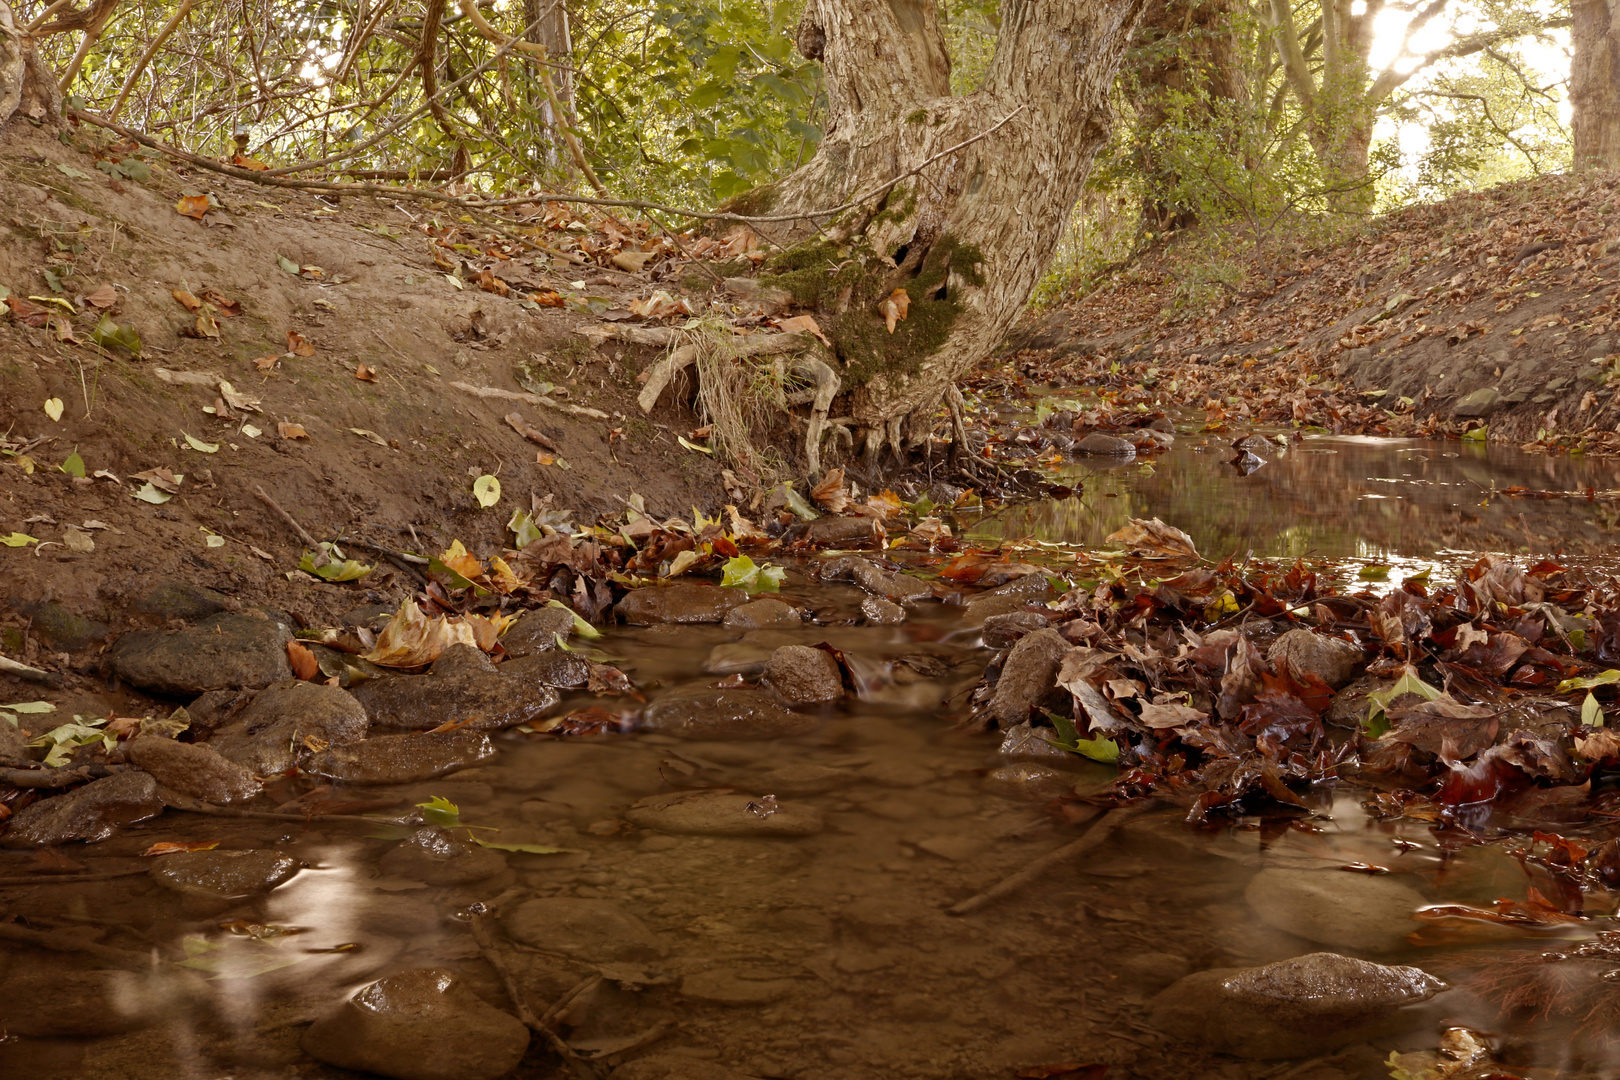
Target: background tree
[1594, 85]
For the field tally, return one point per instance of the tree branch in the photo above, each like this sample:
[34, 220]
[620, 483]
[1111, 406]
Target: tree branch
[1391, 80]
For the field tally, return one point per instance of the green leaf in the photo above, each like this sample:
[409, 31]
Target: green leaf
[68, 170]
[581, 627]
[1475, 435]
[17, 539]
[1607, 678]
[234, 959]
[743, 573]
[1099, 749]
[529, 849]
[74, 465]
[441, 812]
[29, 708]
[153, 495]
[1374, 573]
[334, 567]
[524, 530]
[1591, 712]
[1377, 702]
[487, 490]
[109, 335]
[200, 446]
[287, 265]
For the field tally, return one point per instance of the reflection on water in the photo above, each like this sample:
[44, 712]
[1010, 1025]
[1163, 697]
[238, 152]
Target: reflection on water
[1334, 496]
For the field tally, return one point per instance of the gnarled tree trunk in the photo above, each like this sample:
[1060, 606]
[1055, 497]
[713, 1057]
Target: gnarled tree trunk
[1594, 83]
[968, 237]
[27, 87]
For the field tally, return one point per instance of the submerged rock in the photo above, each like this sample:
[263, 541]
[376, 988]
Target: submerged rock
[873, 578]
[56, 1002]
[1332, 907]
[1029, 676]
[702, 712]
[221, 652]
[1293, 1008]
[223, 875]
[881, 612]
[672, 1067]
[563, 670]
[193, 770]
[763, 614]
[1305, 652]
[288, 720]
[421, 1024]
[723, 813]
[402, 759]
[1014, 596]
[537, 632]
[687, 602]
[90, 813]
[460, 687]
[724, 986]
[1028, 741]
[439, 857]
[1027, 780]
[804, 675]
[1104, 445]
[594, 930]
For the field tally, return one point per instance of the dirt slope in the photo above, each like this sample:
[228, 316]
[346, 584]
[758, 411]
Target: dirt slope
[1498, 306]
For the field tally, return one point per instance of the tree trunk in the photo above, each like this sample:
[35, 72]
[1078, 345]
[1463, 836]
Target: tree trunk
[552, 32]
[1184, 70]
[1594, 83]
[969, 236]
[27, 87]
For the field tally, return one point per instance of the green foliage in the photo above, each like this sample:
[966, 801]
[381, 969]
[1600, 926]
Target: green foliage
[743, 573]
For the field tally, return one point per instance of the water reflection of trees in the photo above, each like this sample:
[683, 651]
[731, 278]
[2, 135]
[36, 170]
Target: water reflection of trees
[1340, 497]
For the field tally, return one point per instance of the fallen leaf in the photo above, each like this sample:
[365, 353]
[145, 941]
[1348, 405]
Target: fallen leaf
[299, 345]
[73, 465]
[369, 436]
[411, 639]
[236, 399]
[148, 493]
[53, 408]
[694, 446]
[78, 540]
[243, 162]
[831, 493]
[18, 539]
[171, 847]
[303, 661]
[104, 296]
[1155, 540]
[163, 479]
[487, 490]
[267, 363]
[188, 301]
[27, 312]
[894, 308]
[291, 431]
[200, 446]
[365, 374]
[192, 206]
[803, 324]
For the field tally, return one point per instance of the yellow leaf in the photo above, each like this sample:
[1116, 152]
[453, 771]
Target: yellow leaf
[894, 308]
[487, 490]
[53, 408]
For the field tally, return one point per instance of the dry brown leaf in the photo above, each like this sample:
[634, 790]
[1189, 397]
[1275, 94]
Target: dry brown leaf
[299, 345]
[104, 296]
[291, 431]
[228, 308]
[1155, 540]
[803, 324]
[895, 307]
[192, 206]
[188, 301]
[302, 661]
[27, 312]
[241, 161]
[207, 325]
[831, 494]
[411, 639]
[267, 363]
[365, 374]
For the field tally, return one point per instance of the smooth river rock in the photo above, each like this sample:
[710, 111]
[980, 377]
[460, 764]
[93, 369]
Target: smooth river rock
[193, 770]
[763, 614]
[881, 612]
[223, 875]
[1345, 910]
[437, 856]
[1293, 1008]
[723, 813]
[459, 687]
[1028, 676]
[90, 813]
[593, 930]
[402, 759]
[1305, 652]
[537, 631]
[287, 721]
[805, 675]
[873, 578]
[421, 1024]
[222, 652]
[703, 712]
[687, 602]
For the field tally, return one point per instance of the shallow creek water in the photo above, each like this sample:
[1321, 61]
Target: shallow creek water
[826, 956]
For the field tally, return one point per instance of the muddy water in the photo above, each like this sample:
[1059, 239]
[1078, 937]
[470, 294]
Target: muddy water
[827, 956]
[1337, 496]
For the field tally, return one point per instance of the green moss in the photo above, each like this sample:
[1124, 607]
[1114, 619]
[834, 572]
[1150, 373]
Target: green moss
[918, 117]
[752, 203]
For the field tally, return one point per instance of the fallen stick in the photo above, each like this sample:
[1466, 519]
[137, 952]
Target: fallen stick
[291, 522]
[32, 674]
[68, 879]
[530, 432]
[528, 399]
[57, 778]
[1100, 831]
[486, 946]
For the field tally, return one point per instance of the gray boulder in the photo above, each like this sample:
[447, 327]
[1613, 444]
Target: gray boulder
[687, 602]
[221, 652]
[1336, 908]
[1293, 1008]
[1305, 652]
[1029, 676]
[90, 813]
[402, 759]
[1001, 631]
[421, 1024]
[193, 770]
[804, 675]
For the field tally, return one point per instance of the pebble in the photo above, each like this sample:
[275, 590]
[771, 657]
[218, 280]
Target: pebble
[1293, 1008]
[536, 632]
[1027, 780]
[805, 675]
[763, 614]
[1028, 676]
[1344, 910]
[594, 930]
[421, 1024]
[90, 813]
[719, 813]
[193, 770]
[223, 875]
[437, 856]
[1305, 652]
[402, 759]
[881, 612]
[702, 712]
[221, 652]
[687, 602]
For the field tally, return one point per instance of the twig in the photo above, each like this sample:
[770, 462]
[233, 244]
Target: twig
[486, 945]
[32, 674]
[1100, 831]
[366, 545]
[560, 1006]
[58, 778]
[291, 522]
[528, 399]
[68, 879]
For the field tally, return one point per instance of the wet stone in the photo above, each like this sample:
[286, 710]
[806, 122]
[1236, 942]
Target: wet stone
[873, 578]
[836, 532]
[13, 744]
[463, 689]
[804, 675]
[802, 778]
[765, 614]
[1332, 907]
[288, 720]
[1027, 741]
[64, 630]
[1029, 676]
[177, 598]
[1104, 445]
[719, 813]
[223, 875]
[1292, 1008]
[536, 631]
[439, 857]
[1001, 631]
[1333, 660]
[701, 712]
[594, 930]
[212, 710]
[420, 1024]
[880, 612]
[221, 652]
[193, 770]
[402, 759]
[687, 602]
[462, 659]
[1028, 780]
[724, 986]
[90, 813]
[563, 670]
[1348, 709]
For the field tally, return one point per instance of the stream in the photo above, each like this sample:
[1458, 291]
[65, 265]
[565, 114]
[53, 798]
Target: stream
[807, 936]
